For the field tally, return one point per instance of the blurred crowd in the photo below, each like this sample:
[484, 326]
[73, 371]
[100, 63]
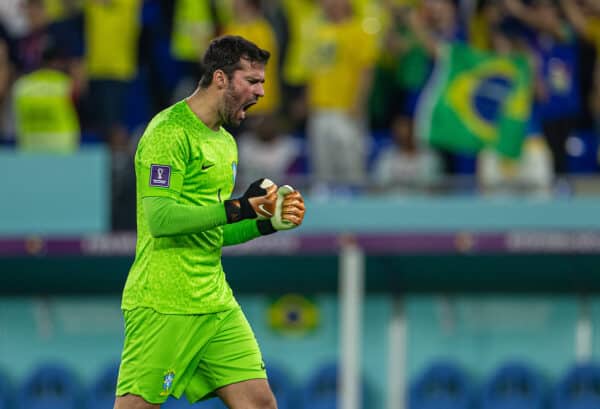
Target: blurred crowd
[342, 89]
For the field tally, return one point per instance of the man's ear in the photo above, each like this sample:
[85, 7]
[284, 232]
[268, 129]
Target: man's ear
[220, 79]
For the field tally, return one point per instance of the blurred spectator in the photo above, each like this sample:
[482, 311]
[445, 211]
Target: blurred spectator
[122, 181]
[46, 120]
[265, 151]
[340, 63]
[12, 17]
[30, 46]
[558, 93]
[249, 22]
[435, 23]
[157, 70]
[401, 73]
[405, 166]
[6, 79]
[301, 17]
[195, 23]
[67, 32]
[488, 16]
[584, 16]
[111, 40]
[533, 172]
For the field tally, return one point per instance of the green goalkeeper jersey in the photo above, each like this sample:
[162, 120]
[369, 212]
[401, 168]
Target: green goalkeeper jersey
[179, 157]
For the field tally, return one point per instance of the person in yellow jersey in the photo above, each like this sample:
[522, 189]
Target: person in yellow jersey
[301, 16]
[340, 63]
[45, 116]
[195, 23]
[249, 22]
[111, 47]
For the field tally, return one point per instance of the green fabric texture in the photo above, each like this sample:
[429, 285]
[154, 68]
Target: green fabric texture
[166, 217]
[240, 232]
[180, 159]
[213, 350]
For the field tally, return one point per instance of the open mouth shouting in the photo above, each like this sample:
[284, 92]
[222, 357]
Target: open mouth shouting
[244, 108]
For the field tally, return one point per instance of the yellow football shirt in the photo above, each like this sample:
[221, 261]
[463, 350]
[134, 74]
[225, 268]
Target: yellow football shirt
[112, 30]
[339, 54]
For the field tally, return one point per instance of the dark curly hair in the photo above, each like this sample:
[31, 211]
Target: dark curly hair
[225, 53]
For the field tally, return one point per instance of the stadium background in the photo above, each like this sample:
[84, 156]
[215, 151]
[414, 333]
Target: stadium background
[455, 276]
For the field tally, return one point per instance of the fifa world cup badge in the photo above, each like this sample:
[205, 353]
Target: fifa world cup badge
[167, 382]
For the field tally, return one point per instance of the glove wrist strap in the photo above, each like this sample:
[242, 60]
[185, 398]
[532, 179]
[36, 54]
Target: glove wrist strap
[233, 211]
[265, 227]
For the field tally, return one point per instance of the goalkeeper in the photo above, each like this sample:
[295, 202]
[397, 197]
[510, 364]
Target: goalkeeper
[184, 331]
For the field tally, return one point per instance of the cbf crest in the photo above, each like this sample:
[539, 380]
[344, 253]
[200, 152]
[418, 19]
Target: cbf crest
[167, 382]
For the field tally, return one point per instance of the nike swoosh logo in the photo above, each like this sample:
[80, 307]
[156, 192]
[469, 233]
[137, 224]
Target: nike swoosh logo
[261, 207]
[204, 167]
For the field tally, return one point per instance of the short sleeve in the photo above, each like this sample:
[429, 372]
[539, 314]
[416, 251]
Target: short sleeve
[161, 160]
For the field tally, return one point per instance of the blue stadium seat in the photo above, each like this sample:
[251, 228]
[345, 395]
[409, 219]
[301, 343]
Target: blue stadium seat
[281, 386]
[514, 386]
[320, 391]
[102, 390]
[50, 386]
[5, 392]
[443, 385]
[579, 389]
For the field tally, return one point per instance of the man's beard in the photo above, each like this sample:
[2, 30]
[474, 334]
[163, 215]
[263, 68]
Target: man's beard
[231, 107]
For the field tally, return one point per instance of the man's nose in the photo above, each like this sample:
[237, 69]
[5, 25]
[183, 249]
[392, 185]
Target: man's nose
[259, 90]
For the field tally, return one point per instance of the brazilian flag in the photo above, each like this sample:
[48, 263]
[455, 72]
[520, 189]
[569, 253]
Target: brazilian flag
[293, 314]
[476, 99]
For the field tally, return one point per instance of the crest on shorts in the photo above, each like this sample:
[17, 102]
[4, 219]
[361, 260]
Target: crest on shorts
[167, 382]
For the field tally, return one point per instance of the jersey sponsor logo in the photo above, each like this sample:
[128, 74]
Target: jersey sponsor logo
[160, 175]
[167, 382]
[207, 166]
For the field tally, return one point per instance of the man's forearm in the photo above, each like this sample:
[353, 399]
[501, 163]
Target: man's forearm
[166, 217]
[241, 232]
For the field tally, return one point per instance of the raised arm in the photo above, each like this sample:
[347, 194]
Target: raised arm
[531, 17]
[419, 27]
[575, 15]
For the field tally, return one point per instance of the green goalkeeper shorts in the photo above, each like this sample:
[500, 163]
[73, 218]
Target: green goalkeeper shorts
[193, 354]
